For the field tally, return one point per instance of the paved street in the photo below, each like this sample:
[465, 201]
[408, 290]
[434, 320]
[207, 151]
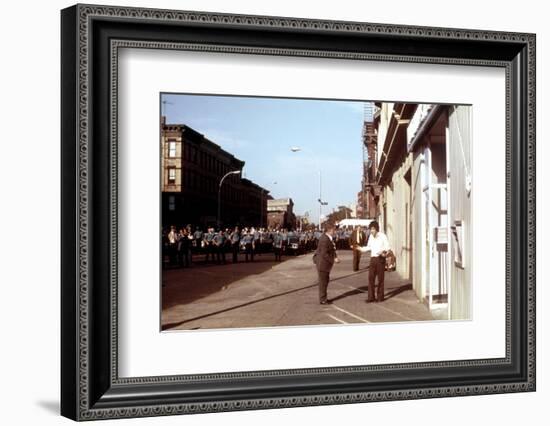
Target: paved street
[266, 294]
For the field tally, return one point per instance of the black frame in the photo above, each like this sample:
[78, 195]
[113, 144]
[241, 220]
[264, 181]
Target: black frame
[90, 387]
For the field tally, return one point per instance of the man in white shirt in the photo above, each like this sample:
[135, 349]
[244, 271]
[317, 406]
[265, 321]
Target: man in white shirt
[378, 246]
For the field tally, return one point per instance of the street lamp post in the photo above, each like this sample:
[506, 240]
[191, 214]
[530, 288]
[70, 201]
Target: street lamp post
[262, 191]
[320, 199]
[235, 172]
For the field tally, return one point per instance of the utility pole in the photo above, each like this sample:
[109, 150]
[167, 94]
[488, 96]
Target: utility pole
[320, 200]
[262, 192]
[164, 103]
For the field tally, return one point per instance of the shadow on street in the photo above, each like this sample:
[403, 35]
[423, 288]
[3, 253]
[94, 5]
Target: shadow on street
[265, 293]
[177, 324]
[185, 285]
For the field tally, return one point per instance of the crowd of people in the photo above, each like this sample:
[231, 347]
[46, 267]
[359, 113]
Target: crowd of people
[182, 247]
[187, 246]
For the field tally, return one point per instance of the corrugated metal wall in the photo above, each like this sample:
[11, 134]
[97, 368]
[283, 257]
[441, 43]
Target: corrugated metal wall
[438, 220]
[420, 192]
[459, 163]
[418, 225]
[397, 197]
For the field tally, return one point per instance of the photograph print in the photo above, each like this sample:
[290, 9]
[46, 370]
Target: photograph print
[282, 212]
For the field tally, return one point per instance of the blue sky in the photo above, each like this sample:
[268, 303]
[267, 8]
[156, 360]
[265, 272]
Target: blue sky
[261, 131]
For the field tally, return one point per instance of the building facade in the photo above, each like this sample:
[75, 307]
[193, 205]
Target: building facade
[361, 209]
[370, 188]
[280, 213]
[424, 205]
[192, 167]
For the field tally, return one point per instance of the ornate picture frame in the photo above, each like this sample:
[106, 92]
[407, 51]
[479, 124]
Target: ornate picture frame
[90, 385]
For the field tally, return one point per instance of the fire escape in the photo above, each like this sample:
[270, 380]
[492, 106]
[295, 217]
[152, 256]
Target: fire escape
[371, 190]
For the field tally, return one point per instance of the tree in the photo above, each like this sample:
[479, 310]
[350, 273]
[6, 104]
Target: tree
[342, 213]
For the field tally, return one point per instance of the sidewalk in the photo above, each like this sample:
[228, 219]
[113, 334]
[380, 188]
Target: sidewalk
[268, 294]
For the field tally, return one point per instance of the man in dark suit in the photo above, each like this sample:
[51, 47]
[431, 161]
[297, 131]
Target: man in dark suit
[357, 239]
[325, 257]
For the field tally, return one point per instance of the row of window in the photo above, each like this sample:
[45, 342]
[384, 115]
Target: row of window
[198, 157]
[204, 184]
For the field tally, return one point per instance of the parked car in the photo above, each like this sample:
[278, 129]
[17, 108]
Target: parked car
[266, 242]
[294, 245]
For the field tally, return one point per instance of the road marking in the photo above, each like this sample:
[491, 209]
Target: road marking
[379, 305]
[398, 299]
[284, 274]
[336, 319]
[394, 299]
[396, 313]
[349, 313]
[353, 288]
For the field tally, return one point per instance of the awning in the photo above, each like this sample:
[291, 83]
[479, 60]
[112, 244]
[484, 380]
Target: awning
[395, 145]
[354, 222]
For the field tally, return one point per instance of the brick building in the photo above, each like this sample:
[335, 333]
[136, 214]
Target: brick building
[280, 213]
[192, 167]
